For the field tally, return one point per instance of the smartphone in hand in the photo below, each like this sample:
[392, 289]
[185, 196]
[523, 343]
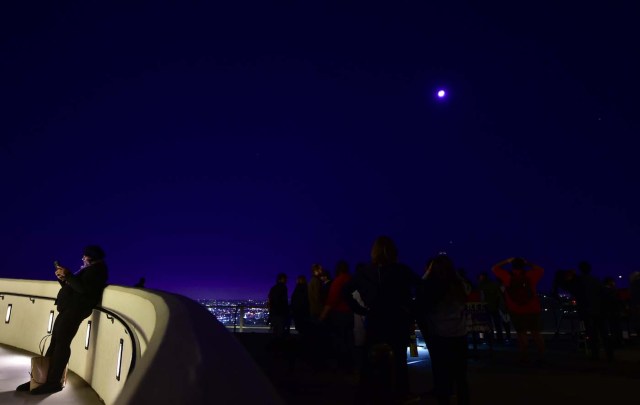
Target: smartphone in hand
[59, 273]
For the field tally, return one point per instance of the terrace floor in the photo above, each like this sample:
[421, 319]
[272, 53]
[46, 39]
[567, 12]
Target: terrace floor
[15, 365]
[495, 377]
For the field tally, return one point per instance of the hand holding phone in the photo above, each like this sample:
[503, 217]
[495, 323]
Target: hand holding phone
[60, 272]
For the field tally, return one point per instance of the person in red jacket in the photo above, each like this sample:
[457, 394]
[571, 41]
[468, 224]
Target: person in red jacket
[522, 301]
[339, 316]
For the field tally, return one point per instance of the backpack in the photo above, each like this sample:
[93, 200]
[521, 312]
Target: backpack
[520, 290]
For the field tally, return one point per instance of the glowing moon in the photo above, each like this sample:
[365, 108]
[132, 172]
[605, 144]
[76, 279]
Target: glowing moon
[441, 93]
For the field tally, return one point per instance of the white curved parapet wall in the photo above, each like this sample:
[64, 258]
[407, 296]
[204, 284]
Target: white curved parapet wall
[182, 354]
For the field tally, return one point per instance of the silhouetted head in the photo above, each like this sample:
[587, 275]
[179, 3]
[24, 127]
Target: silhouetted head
[281, 278]
[442, 267]
[93, 253]
[384, 251]
[450, 287]
[609, 282]
[316, 269]
[342, 268]
[483, 276]
[301, 279]
[584, 267]
[518, 263]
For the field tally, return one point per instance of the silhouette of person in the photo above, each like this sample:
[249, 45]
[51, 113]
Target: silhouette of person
[612, 311]
[315, 292]
[523, 301]
[300, 305]
[140, 283]
[446, 293]
[386, 288]
[79, 293]
[589, 292]
[339, 316]
[279, 306]
[492, 296]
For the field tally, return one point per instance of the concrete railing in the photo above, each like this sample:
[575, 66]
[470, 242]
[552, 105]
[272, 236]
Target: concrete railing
[144, 346]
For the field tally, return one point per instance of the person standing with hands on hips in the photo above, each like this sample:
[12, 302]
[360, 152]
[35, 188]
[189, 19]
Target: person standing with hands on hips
[80, 292]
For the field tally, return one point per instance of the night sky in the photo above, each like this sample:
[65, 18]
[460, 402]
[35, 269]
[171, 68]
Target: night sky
[209, 146]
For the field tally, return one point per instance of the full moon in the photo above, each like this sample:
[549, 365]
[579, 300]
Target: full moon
[441, 93]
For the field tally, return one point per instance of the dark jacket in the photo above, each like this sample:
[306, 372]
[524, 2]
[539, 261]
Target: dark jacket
[588, 292]
[445, 305]
[279, 300]
[611, 303]
[387, 292]
[83, 290]
[300, 301]
[315, 297]
[491, 294]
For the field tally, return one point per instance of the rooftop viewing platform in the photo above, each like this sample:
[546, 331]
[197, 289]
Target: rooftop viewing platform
[139, 346]
[141, 334]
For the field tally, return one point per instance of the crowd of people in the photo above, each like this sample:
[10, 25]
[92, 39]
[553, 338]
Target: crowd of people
[360, 322]
[600, 306]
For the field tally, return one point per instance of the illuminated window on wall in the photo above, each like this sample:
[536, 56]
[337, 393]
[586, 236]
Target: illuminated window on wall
[50, 325]
[119, 364]
[7, 317]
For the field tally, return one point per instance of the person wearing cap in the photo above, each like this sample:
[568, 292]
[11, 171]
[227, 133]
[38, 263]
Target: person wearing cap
[80, 292]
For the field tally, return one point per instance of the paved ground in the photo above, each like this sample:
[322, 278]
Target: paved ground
[15, 365]
[495, 377]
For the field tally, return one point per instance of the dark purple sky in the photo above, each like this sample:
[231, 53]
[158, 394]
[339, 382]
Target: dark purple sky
[208, 148]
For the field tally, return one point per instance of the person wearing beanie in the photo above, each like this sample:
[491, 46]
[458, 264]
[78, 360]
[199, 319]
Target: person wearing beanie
[80, 292]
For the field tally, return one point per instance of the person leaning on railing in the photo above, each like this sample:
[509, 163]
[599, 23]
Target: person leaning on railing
[80, 292]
